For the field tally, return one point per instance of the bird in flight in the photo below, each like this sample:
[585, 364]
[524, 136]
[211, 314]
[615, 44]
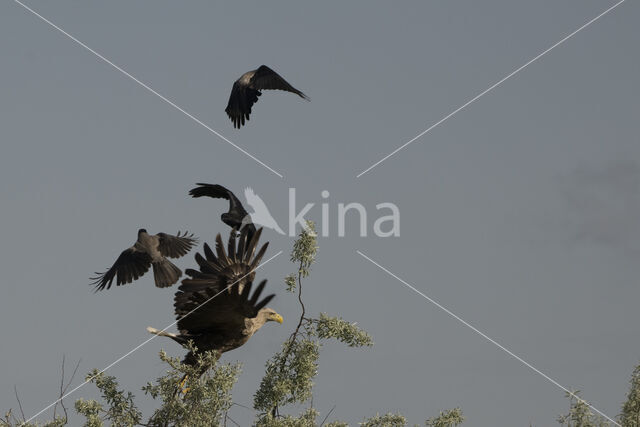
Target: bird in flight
[148, 251]
[215, 307]
[246, 90]
[237, 217]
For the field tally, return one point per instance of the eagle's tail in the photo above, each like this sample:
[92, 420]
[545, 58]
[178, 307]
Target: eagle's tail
[165, 273]
[159, 333]
[177, 338]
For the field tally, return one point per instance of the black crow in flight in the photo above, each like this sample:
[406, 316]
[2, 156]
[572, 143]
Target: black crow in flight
[237, 217]
[246, 90]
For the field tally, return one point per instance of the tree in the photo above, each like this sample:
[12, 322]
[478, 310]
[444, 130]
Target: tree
[580, 414]
[630, 416]
[205, 400]
[450, 418]
[290, 372]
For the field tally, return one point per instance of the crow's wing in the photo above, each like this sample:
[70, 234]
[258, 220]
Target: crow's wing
[240, 102]
[130, 265]
[175, 246]
[219, 192]
[265, 78]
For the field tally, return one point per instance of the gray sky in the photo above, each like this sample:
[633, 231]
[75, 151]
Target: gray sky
[519, 214]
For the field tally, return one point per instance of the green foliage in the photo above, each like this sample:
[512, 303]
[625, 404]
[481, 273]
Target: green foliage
[121, 411]
[348, 333]
[580, 414]
[386, 420]
[290, 372]
[289, 375]
[10, 420]
[91, 411]
[449, 418]
[306, 419]
[305, 249]
[290, 281]
[200, 394]
[630, 416]
[204, 400]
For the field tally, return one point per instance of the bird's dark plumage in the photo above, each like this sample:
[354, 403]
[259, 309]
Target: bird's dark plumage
[215, 306]
[148, 251]
[237, 217]
[246, 90]
[175, 246]
[130, 265]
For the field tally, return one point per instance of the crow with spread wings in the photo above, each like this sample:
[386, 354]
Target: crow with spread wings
[148, 251]
[246, 90]
[215, 306]
[236, 217]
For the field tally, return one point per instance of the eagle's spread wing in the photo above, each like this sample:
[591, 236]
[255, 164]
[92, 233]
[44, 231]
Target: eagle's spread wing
[266, 78]
[175, 246]
[240, 102]
[218, 308]
[221, 313]
[224, 280]
[130, 265]
[223, 268]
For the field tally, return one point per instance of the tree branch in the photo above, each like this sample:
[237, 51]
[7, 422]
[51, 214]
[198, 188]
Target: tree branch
[15, 390]
[327, 416]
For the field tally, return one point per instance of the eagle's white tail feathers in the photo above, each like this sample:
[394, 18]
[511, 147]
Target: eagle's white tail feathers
[155, 331]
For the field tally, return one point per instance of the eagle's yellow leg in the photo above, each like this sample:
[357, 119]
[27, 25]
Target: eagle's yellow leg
[182, 385]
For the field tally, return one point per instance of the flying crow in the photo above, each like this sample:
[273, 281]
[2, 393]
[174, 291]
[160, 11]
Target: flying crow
[237, 217]
[148, 251]
[246, 90]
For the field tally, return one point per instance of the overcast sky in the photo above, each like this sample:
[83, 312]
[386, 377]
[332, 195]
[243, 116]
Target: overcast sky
[519, 214]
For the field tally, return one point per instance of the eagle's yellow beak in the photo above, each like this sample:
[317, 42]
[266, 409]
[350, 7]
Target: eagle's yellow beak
[277, 318]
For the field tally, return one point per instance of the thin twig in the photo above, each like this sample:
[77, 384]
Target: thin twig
[294, 335]
[55, 407]
[64, 388]
[231, 419]
[329, 413]
[15, 390]
[240, 405]
[295, 332]
[7, 417]
[73, 375]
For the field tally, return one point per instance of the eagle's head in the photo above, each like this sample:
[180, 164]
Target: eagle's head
[270, 315]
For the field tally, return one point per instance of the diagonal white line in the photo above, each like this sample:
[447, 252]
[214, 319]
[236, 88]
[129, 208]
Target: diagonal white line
[147, 87]
[488, 338]
[146, 341]
[489, 89]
